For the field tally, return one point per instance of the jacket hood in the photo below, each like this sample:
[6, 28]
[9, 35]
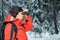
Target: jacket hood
[8, 18]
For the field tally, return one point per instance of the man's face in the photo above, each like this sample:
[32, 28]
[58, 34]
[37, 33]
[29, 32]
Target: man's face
[20, 16]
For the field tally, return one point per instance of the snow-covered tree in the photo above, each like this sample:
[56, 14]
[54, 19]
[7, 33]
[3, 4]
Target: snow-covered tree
[45, 13]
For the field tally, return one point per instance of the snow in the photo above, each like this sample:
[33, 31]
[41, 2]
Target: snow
[45, 37]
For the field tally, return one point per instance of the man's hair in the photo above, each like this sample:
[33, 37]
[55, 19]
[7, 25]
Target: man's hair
[14, 10]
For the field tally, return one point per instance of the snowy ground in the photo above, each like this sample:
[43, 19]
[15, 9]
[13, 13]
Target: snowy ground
[45, 37]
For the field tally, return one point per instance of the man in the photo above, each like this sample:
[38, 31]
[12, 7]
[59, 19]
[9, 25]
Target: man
[22, 21]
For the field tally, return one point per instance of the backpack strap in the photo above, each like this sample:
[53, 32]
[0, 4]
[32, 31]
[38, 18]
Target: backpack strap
[13, 29]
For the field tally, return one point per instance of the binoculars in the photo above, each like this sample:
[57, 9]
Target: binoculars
[25, 13]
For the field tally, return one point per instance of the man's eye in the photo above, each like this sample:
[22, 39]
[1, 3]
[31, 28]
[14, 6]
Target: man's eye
[23, 13]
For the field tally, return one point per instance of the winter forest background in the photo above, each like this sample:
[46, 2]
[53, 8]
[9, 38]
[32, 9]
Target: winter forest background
[45, 15]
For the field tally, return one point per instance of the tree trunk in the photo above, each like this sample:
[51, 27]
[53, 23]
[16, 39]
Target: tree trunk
[55, 14]
[2, 11]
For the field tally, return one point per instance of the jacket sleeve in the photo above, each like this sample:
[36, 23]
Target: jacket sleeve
[28, 25]
[7, 31]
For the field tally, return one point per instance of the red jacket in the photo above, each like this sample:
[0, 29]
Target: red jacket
[21, 34]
